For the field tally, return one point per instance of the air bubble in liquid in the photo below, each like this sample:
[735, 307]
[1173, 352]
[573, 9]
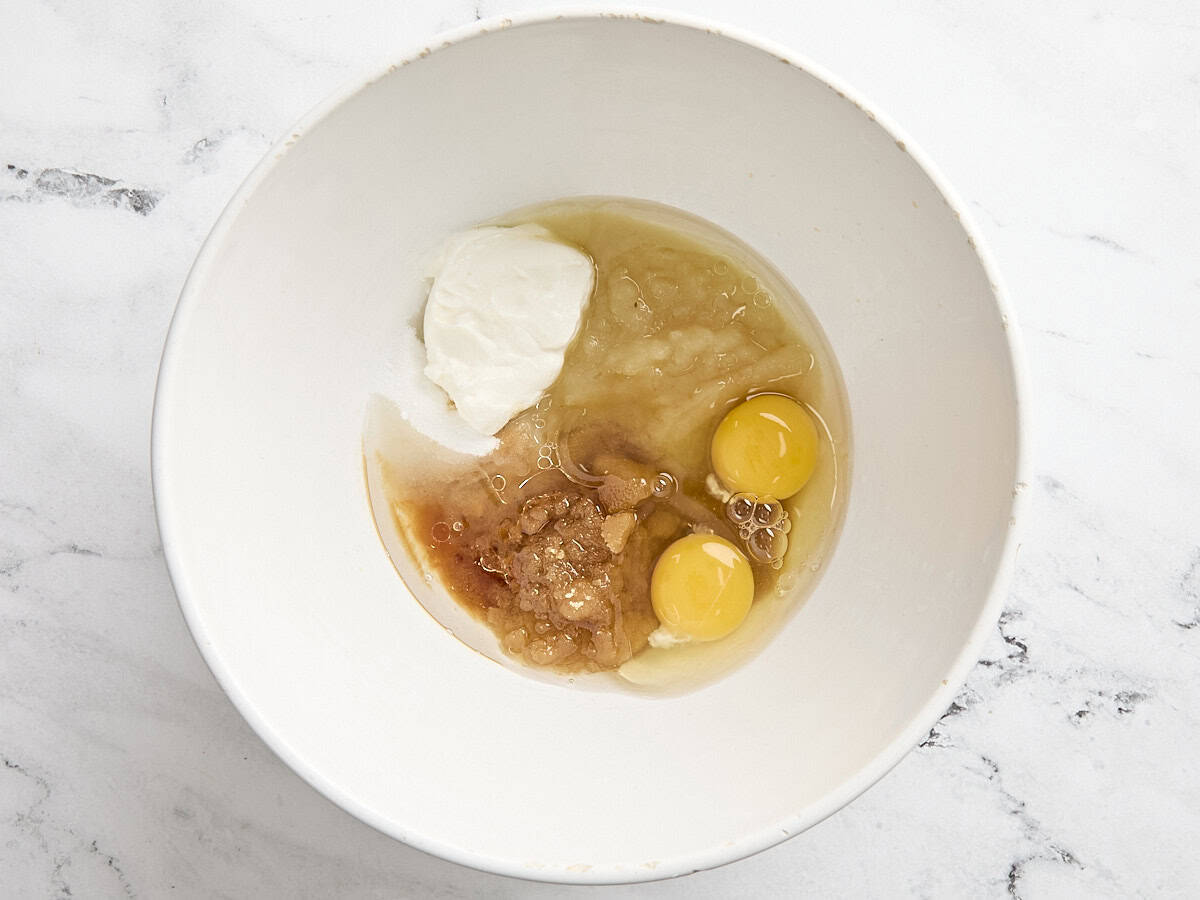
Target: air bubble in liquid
[767, 545]
[761, 299]
[539, 422]
[664, 486]
[740, 508]
[749, 284]
[758, 544]
[779, 544]
[458, 527]
[440, 532]
[768, 513]
[720, 267]
[499, 483]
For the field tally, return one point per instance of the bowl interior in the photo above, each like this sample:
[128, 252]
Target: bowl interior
[277, 346]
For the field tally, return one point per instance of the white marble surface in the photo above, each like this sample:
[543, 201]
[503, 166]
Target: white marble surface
[1066, 768]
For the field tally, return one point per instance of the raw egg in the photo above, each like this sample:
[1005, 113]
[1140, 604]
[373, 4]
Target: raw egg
[701, 588]
[766, 446]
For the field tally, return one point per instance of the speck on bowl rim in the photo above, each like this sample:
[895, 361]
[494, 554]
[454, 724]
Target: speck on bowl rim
[749, 844]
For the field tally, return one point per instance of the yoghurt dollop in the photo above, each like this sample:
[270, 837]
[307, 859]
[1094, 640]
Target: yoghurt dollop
[504, 305]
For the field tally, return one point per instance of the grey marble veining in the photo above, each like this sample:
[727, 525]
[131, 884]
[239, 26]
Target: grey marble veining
[1066, 767]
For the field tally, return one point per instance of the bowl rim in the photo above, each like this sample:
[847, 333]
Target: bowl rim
[774, 833]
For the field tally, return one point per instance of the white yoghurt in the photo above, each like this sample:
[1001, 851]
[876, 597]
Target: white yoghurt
[504, 305]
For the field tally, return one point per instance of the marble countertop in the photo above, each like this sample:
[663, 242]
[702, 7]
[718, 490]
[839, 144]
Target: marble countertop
[1067, 767]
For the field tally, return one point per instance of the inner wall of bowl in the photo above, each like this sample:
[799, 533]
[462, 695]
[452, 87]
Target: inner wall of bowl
[261, 489]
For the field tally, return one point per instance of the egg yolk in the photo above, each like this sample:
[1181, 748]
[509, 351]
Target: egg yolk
[701, 587]
[766, 446]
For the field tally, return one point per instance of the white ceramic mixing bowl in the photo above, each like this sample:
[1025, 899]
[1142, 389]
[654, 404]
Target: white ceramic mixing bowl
[280, 333]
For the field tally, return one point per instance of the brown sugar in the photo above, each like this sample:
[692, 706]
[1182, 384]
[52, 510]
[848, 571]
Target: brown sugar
[561, 581]
[556, 565]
